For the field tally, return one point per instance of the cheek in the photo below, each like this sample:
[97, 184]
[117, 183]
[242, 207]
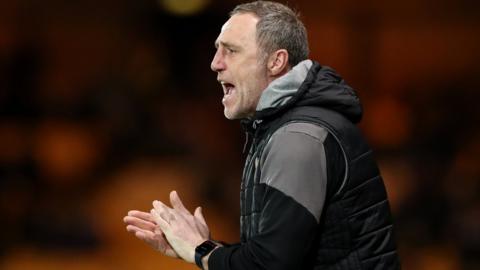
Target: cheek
[250, 81]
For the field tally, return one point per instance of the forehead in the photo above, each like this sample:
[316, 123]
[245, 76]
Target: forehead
[240, 29]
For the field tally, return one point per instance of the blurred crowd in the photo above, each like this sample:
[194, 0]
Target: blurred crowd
[108, 105]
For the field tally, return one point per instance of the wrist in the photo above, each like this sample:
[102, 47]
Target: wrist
[202, 251]
[205, 259]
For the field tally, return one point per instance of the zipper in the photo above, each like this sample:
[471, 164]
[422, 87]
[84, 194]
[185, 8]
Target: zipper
[247, 135]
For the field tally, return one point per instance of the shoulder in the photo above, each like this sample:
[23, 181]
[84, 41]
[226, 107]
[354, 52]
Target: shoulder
[293, 130]
[296, 140]
[302, 141]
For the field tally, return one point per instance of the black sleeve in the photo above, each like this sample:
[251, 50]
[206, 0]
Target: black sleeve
[294, 174]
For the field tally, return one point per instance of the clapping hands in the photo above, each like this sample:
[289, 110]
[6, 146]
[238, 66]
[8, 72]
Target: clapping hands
[174, 231]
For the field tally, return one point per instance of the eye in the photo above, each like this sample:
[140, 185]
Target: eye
[230, 50]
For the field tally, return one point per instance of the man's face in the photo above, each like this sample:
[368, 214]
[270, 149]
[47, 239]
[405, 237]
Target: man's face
[238, 64]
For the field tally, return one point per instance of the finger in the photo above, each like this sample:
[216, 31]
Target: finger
[140, 214]
[177, 203]
[147, 225]
[144, 234]
[132, 228]
[157, 240]
[164, 226]
[162, 210]
[139, 232]
[199, 215]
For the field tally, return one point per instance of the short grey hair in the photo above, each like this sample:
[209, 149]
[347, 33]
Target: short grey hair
[279, 27]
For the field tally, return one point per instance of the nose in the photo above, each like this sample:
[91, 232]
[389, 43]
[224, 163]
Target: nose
[218, 63]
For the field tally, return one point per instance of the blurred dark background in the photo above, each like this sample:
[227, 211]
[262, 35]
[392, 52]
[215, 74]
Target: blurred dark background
[107, 105]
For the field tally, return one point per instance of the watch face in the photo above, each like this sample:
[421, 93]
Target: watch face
[205, 247]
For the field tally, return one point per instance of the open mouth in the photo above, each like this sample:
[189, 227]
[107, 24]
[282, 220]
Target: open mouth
[227, 88]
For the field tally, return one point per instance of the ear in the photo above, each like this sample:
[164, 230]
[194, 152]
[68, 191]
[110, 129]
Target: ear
[278, 62]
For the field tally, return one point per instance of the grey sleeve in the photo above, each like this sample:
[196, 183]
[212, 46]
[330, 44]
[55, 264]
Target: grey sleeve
[294, 162]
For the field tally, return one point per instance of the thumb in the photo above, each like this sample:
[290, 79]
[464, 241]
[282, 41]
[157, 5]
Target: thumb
[199, 215]
[164, 226]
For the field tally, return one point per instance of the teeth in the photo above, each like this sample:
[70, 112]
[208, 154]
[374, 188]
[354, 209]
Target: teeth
[225, 86]
[225, 91]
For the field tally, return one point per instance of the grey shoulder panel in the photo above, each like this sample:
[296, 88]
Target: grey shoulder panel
[294, 162]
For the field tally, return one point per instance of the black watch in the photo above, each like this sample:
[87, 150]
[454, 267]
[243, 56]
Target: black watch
[202, 250]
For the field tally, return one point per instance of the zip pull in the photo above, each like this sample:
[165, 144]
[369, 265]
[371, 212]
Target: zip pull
[256, 123]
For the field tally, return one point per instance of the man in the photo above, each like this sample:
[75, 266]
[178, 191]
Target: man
[311, 194]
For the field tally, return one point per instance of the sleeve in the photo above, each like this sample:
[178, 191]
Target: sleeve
[295, 178]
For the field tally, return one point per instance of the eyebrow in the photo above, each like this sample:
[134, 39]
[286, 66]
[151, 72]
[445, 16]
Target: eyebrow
[226, 44]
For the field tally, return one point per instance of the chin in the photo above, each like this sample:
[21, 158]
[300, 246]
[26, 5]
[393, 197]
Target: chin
[231, 115]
